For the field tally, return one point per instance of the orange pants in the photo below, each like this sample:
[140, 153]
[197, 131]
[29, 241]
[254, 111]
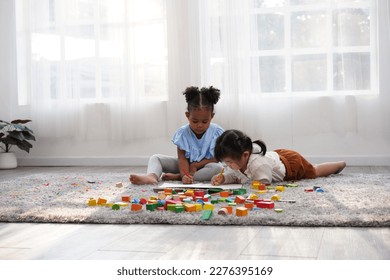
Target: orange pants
[297, 167]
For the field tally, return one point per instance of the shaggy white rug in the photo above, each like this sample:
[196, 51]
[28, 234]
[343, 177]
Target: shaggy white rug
[347, 200]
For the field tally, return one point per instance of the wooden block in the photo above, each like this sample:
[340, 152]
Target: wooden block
[199, 193]
[224, 193]
[280, 188]
[249, 205]
[265, 204]
[189, 207]
[229, 209]
[136, 207]
[253, 196]
[101, 201]
[207, 214]
[275, 197]
[208, 206]
[92, 202]
[126, 198]
[241, 211]
[151, 206]
[223, 211]
[239, 199]
[198, 206]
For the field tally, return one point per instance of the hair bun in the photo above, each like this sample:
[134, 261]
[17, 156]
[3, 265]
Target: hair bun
[211, 94]
[190, 93]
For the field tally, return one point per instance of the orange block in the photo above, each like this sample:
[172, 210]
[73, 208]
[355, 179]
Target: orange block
[126, 198]
[239, 199]
[190, 207]
[168, 191]
[249, 205]
[241, 211]
[101, 201]
[224, 194]
[136, 207]
[229, 209]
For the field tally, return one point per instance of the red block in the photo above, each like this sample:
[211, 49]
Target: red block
[265, 204]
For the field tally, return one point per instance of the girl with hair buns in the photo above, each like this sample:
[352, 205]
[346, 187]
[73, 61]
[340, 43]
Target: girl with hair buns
[195, 143]
[249, 160]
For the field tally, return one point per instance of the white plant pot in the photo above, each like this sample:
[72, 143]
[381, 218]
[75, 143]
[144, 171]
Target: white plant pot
[8, 160]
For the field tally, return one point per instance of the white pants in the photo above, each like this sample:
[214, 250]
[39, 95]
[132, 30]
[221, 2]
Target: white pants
[160, 163]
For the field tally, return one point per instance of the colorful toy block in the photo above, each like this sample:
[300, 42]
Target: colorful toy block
[151, 206]
[170, 201]
[179, 208]
[229, 209]
[207, 214]
[249, 205]
[223, 211]
[308, 190]
[266, 204]
[253, 196]
[101, 201]
[241, 211]
[190, 207]
[119, 185]
[208, 206]
[189, 193]
[126, 198]
[275, 197]
[239, 191]
[115, 207]
[199, 193]
[239, 199]
[198, 206]
[136, 207]
[280, 188]
[224, 193]
[143, 201]
[92, 202]
[278, 210]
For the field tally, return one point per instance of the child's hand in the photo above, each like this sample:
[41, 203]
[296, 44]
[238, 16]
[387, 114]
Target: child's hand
[217, 180]
[187, 179]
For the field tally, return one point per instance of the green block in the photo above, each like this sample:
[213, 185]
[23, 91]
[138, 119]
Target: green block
[214, 201]
[115, 207]
[239, 191]
[229, 200]
[222, 199]
[171, 207]
[207, 214]
[215, 190]
[179, 208]
[232, 204]
[151, 207]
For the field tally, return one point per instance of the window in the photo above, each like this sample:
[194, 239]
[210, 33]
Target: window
[300, 46]
[92, 50]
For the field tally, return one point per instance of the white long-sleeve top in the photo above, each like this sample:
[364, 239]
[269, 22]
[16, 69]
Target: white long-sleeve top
[266, 169]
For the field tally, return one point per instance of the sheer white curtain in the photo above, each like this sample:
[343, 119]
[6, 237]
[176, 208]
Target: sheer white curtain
[289, 69]
[93, 69]
[115, 69]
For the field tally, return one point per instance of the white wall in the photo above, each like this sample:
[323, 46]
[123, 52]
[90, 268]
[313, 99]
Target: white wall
[362, 138]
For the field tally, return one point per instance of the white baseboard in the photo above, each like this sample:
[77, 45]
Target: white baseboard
[83, 161]
[143, 161]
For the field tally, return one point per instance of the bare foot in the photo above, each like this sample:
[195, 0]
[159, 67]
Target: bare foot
[171, 177]
[143, 179]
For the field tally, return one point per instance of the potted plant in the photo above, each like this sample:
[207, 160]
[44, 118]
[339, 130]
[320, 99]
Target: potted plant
[13, 133]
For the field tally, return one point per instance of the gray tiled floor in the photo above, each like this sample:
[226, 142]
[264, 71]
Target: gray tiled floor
[24, 241]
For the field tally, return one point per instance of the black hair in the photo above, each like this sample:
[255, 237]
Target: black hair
[205, 97]
[233, 143]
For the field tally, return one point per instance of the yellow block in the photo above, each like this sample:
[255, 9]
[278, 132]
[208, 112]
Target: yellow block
[208, 206]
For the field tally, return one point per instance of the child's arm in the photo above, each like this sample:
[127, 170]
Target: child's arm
[195, 166]
[184, 167]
